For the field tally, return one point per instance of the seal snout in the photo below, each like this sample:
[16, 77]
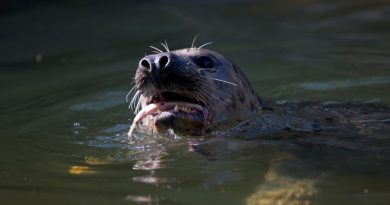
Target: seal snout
[156, 67]
[155, 63]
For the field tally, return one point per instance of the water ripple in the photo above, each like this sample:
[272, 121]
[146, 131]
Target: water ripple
[337, 84]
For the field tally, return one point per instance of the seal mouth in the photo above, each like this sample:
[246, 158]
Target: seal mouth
[169, 110]
[161, 97]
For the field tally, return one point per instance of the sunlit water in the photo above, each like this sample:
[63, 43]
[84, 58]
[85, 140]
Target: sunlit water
[66, 69]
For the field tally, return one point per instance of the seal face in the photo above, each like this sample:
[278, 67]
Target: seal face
[191, 91]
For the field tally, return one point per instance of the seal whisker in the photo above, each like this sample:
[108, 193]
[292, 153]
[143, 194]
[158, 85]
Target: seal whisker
[128, 94]
[160, 51]
[185, 91]
[193, 41]
[213, 96]
[132, 99]
[131, 83]
[137, 108]
[165, 45]
[207, 86]
[198, 97]
[222, 81]
[202, 96]
[219, 98]
[136, 95]
[213, 89]
[208, 43]
[156, 52]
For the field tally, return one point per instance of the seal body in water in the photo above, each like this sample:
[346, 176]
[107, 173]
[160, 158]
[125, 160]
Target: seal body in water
[190, 92]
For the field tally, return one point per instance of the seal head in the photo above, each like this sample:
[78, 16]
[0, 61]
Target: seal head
[191, 91]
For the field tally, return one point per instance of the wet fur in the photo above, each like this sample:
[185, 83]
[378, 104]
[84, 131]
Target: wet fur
[223, 89]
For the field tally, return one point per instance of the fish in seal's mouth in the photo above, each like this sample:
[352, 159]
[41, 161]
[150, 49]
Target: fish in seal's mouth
[169, 110]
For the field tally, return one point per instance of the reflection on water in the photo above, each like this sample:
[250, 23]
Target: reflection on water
[66, 68]
[78, 170]
[142, 199]
[150, 180]
[279, 189]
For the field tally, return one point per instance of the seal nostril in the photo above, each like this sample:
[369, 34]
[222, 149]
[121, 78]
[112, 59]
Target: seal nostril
[144, 63]
[163, 61]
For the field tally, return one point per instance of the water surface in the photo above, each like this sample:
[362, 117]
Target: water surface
[66, 67]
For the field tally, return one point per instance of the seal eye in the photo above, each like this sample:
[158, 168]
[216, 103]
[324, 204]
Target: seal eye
[204, 62]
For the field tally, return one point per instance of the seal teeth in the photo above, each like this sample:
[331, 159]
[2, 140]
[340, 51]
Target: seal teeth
[181, 108]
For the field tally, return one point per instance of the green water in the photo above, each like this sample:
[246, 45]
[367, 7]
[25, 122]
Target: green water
[65, 70]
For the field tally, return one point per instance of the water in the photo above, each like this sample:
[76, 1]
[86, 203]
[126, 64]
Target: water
[66, 68]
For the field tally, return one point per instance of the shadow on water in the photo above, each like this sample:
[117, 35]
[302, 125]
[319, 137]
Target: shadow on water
[66, 67]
